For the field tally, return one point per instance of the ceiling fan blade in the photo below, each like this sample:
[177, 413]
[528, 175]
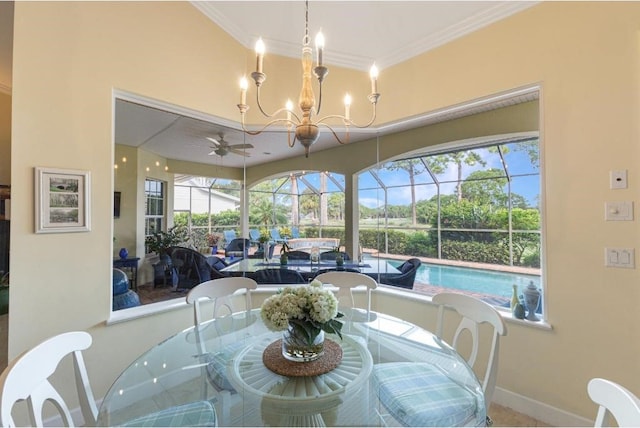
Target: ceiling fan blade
[240, 152]
[213, 152]
[240, 146]
[213, 140]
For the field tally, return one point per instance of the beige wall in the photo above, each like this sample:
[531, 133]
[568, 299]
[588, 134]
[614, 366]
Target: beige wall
[5, 138]
[69, 56]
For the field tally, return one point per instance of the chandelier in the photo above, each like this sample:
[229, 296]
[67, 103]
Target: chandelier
[306, 128]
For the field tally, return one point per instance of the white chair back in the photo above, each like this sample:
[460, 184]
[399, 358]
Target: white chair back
[27, 378]
[220, 291]
[615, 400]
[346, 282]
[474, 312]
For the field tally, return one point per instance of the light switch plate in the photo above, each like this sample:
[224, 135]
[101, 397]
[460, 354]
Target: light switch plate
[620, 257]
[618, 211]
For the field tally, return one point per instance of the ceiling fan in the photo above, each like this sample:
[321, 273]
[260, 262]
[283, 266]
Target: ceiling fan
[222, 148]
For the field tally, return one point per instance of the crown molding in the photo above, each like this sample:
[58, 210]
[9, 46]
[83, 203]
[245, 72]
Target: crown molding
[292, 50]
[460, 29]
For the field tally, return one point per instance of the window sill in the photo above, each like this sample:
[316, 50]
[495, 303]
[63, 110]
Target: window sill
[506, 315]
[146, 310]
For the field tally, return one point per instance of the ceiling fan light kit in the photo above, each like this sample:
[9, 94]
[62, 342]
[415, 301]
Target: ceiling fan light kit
[307, 129]
[222, 148]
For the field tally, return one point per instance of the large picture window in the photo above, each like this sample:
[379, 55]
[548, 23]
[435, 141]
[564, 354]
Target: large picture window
[471, 214]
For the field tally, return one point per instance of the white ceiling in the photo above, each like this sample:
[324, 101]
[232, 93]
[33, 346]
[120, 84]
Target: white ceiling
[357, 33]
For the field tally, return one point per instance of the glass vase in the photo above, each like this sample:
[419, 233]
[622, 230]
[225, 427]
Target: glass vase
[296, 347]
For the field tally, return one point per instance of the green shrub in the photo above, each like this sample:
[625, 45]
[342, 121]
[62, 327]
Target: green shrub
[481, 252]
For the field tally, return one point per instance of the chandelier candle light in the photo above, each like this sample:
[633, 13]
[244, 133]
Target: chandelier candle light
[306, 128]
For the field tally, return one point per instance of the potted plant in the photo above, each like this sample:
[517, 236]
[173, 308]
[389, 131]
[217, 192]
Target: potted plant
[284, 254]
[339, 257]
[160, 242]
[212, 241]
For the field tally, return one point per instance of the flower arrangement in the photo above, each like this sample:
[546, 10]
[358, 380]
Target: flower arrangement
[212, 239]
[307, 310]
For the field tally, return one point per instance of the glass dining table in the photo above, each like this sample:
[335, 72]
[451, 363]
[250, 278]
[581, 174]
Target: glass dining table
[230, 362]
[308, 269]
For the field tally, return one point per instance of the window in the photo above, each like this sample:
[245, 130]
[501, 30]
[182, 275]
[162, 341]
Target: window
[466, 207]
[205, 205]
[154, 210]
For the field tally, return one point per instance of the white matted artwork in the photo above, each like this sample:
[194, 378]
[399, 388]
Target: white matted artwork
[62, 200]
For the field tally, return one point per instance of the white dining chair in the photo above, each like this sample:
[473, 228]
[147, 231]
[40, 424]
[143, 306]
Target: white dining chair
[474, 312]
[27, 378]
[417, 404]
[220, 291]
[346, 282]
[614, 399]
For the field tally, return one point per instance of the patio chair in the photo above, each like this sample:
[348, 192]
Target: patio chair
[298, 255]
[331, 255]
[295, 232]
[275, 236]
[27, 378]
[229, 235]
[190, 266]
[614, 399]
[238, 247]
[405, 278]
[254, 236]
[277, 276]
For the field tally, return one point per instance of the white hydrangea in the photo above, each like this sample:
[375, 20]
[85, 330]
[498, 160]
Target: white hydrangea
[310, 302]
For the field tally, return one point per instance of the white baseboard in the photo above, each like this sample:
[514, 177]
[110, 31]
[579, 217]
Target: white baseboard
[538, 410]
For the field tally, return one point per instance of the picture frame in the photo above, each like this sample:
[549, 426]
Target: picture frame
[62, 200]
[116, 204]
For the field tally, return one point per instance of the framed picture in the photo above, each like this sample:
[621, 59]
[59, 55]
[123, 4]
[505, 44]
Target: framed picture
[62, 200]
[116, 204]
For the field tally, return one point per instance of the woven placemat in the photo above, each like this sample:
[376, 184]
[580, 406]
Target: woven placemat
[274, 360]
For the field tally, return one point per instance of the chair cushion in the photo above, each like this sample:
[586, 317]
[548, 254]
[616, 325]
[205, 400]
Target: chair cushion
[198, 414]
[406, 267]
[419, 394]
[217, 366]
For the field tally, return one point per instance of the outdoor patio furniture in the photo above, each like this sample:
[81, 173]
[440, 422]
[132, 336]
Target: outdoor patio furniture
[238, 247]
[229, 235]
[275, 235]
[331, 255]
[405, 278]
[298, 255]
[277, 276]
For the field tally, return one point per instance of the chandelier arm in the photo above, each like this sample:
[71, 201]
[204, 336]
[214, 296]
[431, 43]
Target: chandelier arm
[289, 141]
[277, 112]
[335, 135]
[349, 122]
[261, 130]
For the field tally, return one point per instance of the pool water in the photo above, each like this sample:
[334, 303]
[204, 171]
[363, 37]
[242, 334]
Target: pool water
[469, 279]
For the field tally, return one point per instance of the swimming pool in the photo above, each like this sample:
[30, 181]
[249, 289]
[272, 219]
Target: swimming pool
[469, 279]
